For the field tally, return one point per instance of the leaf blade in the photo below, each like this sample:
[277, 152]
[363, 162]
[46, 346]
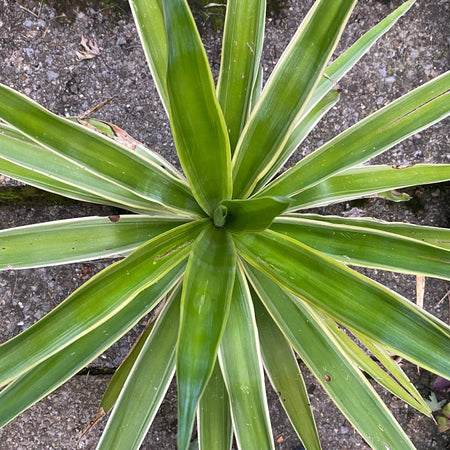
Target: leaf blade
[205, 304]
[287, 380]
[148, 381]
[89, 150]
[196, 119]
[47, 376]
[373, 135]
[241, 52]
[335, 372]
[214, 424]
[88, 307]
[356, 301]
[366, 247]
[241, 364]
[286, 93]
[73, 240]
[368, 180]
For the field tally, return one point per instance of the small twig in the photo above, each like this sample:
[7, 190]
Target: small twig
[32, 12]
[14, 288]
[96, 108]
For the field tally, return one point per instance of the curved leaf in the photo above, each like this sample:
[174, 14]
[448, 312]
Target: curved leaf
[44, 378]
[299, 133]
[439, 237]
[94, 153]
[253, 214]
[398, 384]
[103, 296]
[149, 19]
[282, 368]
[286, 93]
[196, 119]
[350, 57]
[332, 368]
[205, 303]
[29, 162]
[146, 385]
[241, 51]
[367, 247]
[241, 364]
[72, 240]
[371, 136]
[368, 180]
[353, 300]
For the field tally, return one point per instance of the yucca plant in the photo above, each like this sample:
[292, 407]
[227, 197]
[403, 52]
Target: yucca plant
[244, 283]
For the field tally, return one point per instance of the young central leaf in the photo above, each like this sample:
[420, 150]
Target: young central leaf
[250, 215]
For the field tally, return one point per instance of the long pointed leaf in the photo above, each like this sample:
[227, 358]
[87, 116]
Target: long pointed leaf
[95, 153]
[149, 19]
[286, 93]
[197, 122]
[371, 136]
[367, 247]
[352, 299]
[29, 162]
[241, 52]
[400, 386]
[215, 430]
[348, 59]
[72, 240]
[205, 303]
[300, 132]
[54, 371]
[368, 180]
[285, 376]
[439, 237]
[242, 369]
[103, 296]
[345, 384]
[146, 385]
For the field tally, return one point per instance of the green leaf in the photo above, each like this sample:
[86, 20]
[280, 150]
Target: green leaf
[197, 122]
[242, 369]
[124, 138]
[382, 355]
[350, 298]
[149, 19]
[439, 237]
[29, 162]
[253, 214]
[371, 136]
[44, 378]
[367, 247]
[89, 150]
[73, 240]
[241, 52]
[215, 430]
[103, 296]
[286, 93]
[285, 376]
[331, 366]
[400, 386]
[121, 374]
[205, 303]
[349, 58]
[368, 180]
[146, 385]
[299, 133]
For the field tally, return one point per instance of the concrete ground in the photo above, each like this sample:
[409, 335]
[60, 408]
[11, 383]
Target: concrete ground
[38, 44]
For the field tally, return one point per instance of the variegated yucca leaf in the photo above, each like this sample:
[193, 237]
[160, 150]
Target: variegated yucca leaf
[243, 281]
